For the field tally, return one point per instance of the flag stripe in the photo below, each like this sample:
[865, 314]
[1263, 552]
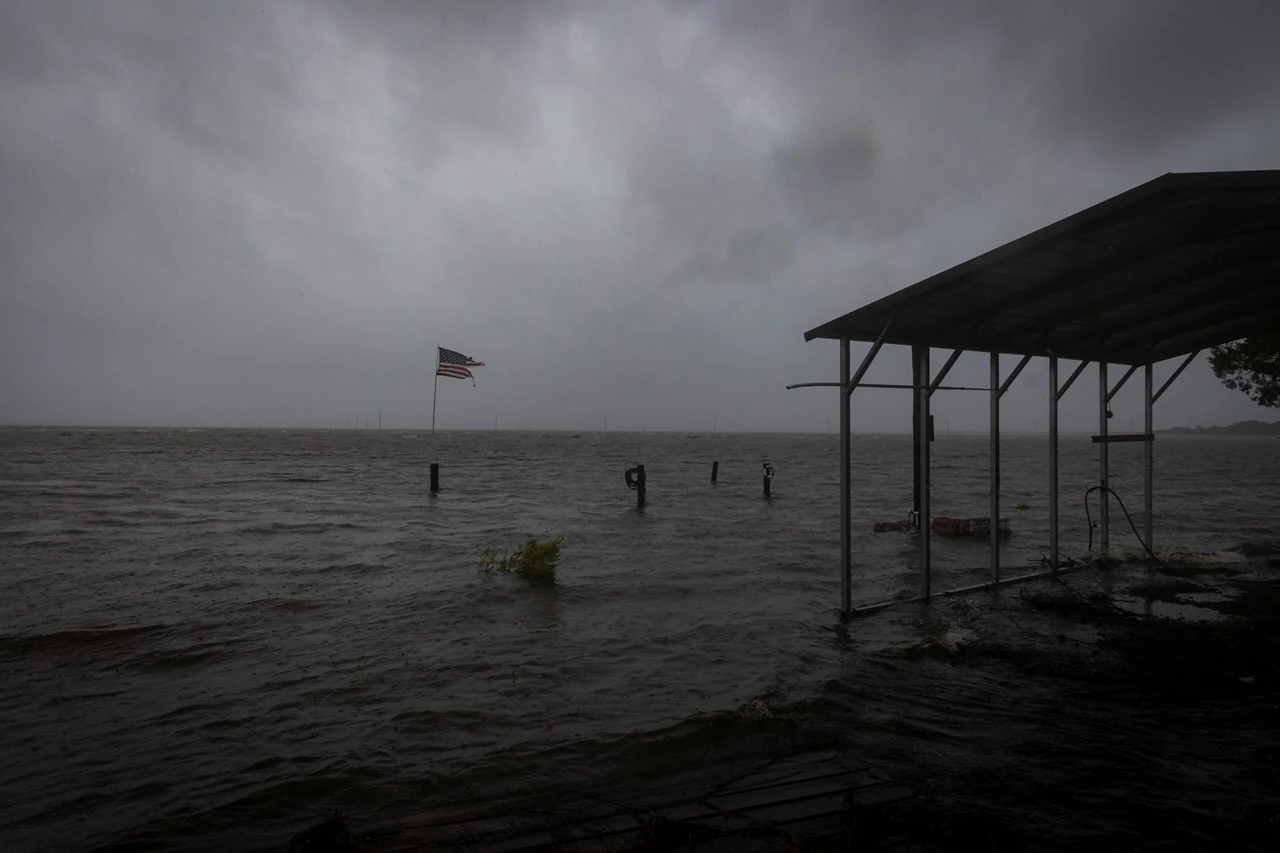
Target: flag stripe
[454, 365]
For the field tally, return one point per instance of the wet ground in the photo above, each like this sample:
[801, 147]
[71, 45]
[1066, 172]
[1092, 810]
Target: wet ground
[1174, 669]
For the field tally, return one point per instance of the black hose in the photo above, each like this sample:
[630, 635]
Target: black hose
[1129, 518]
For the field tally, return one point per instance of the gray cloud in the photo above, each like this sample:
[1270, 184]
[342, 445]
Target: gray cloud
[240, 213]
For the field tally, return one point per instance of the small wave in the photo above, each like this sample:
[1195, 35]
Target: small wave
[1256, 549]
[78, 639]
[1208, 558]
[290, 605]
[184, 658]
[55, 701]
[303, 527]
[304, 480]
[184, 710]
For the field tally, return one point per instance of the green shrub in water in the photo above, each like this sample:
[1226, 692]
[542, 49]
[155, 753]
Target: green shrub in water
[1022, 506]
[534, 560]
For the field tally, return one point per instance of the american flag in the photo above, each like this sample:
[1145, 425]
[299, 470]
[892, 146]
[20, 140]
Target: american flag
[455, 364]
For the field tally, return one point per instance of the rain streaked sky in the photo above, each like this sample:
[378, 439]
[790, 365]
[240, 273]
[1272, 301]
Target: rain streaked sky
[271, 213]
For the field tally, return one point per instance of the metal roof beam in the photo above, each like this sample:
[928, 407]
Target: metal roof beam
[1209, 267]
[1162, 328]
[1162, 284]
[1233, 329]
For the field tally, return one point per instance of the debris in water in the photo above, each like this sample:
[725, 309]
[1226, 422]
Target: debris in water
[979, 527]
[533, 560]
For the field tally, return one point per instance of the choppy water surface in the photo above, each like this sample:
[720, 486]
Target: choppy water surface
[210, 638]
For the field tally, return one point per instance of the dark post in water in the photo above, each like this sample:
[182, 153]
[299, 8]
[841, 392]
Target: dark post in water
[639, 487]
[435, 476]
[768, 475]
[715, 470]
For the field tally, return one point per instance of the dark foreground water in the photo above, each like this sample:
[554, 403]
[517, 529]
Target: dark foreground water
[211, 639]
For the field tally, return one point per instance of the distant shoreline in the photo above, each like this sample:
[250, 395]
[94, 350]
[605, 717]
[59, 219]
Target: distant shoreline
[1244, 428]
[1238, 428]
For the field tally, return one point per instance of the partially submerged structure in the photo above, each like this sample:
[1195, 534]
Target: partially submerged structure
[1172, 267]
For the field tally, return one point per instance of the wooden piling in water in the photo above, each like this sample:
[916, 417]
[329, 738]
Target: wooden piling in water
[435, 476]
[715, 470]
[639, 487]
[768, 476]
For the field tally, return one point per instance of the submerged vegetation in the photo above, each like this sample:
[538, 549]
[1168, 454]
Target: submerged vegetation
[534, 560]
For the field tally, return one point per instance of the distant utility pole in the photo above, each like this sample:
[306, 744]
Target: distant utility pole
[379, 419]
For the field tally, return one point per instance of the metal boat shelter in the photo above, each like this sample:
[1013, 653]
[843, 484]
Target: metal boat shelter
[1179, 264]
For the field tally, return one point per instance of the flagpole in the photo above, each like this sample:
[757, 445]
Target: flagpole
[435, 386]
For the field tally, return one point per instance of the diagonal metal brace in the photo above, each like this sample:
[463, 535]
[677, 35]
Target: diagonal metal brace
[1181, 367]
[1123, 379]
[1058, 392]
[1026, 359]
[870, 356]
[942, 374]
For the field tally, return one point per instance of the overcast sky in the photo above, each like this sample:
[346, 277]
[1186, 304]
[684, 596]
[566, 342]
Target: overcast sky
[219, 213]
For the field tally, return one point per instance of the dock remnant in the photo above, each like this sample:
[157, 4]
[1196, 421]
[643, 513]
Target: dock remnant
[636, 482]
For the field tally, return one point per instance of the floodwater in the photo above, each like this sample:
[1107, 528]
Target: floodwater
[212, 639]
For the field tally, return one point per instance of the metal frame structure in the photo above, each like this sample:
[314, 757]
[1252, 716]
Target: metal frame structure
[1182, 263]
[922, 393]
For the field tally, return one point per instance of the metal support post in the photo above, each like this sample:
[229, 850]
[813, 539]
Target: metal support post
[1104, 411]
[917, 430]
[922, 477]
[1148, 453]
[1053, 463]
[846, 532]
[995, 466]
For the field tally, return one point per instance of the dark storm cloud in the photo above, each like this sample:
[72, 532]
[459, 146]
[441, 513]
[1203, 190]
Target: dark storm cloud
[237, 212]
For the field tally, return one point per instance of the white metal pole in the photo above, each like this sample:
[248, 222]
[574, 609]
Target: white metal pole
[846, 531]
[1053, 463]
[434, 388]
[922, 401]
[1148, 460]
[995, 467]
[1104, 520]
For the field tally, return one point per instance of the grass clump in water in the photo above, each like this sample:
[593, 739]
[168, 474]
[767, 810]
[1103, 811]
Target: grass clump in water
[534, 560]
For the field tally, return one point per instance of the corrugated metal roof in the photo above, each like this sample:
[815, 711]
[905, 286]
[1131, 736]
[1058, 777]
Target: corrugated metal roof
[1181, 263]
